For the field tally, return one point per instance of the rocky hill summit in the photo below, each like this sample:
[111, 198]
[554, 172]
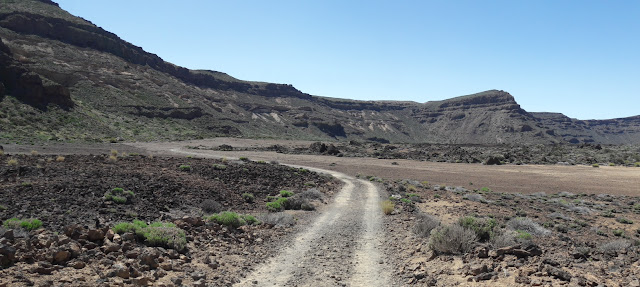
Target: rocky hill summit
[64, 78]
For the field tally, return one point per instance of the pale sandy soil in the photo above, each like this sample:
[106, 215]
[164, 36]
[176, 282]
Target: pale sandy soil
[504, 178]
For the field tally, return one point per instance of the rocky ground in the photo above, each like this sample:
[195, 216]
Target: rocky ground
[77, 246]
[520, 240]
[567, 154]
[572, 225]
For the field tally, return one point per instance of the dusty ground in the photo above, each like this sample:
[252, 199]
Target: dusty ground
[501, 178]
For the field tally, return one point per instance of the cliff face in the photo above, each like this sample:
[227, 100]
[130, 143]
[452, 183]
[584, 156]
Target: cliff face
[65, 78]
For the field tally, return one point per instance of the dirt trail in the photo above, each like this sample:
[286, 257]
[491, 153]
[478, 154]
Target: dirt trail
[342, 247]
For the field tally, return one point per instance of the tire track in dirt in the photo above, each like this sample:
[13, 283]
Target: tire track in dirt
[342, 247]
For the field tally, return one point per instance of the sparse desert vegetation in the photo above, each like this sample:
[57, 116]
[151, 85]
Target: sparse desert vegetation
[512, 239]
[143, 213]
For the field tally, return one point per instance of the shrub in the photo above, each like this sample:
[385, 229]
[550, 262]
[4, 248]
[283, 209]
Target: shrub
[612, 164]
[211, 206]
[114, 152]
[475, 197]
[113, 158]
[482, 227]
[34, 152]
[624, 220]
[162, 234]
[527, 225]
[562, 228]
[26, 224]
[119, 195]
[12, 162]
[275, 206]
[248, 197]
[424, 224]
[184, 167]
[250, 219]
[165, 235]
[228, 218]
[407, 201]
[387, 207]
[286, 193]
[595, 165]
[60, 158]
[243, 158]
[637, 164]
[615, 246]
[523, 235]
[219, 167]
[452, 239]
[311, 194]
[124, 227]
[618, 232]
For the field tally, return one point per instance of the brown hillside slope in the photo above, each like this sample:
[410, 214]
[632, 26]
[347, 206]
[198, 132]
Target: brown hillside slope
[64, 78]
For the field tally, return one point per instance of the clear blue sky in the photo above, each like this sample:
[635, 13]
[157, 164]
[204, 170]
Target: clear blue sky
[579, 57]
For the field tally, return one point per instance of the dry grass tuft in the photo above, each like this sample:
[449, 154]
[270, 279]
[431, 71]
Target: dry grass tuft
[34, 152]
[113, 158]
[12, 162]
[387, 207]
[60, 158]
[114, 152]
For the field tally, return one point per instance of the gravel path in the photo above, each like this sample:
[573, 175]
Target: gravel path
[341, 247]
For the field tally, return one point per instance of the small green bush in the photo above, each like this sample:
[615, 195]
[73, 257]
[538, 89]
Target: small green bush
[233, 219]
[219, 167]
[452, 239]
[482, 227]
[406, 200]
[595, 165]
[618, 232]
[624, 220]
[163, 234]
[250, 219]
[248, 197]
[277, 205]
[185, 167]
[637, 164]
[119, 195]
[228, 218]
[243, 158]
[523, 235]
[485, 189]
[286, 193]
[26, 224]
[125, 227]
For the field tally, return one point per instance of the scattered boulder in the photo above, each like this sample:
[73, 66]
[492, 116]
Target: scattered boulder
[7, 255]
[95, 235]
[61, 256]
[149, 257]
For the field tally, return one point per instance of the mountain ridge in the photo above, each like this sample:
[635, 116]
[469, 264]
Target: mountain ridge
[90, 85]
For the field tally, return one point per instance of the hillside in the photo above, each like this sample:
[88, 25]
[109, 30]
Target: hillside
[63, 78]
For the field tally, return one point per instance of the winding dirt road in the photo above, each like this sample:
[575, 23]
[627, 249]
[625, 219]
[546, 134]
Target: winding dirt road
[342, 247]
